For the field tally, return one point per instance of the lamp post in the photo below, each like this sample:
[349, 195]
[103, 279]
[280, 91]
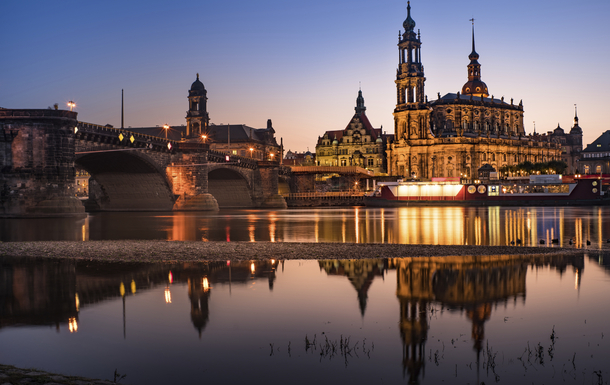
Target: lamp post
[165, 127]
[251, 149]
[71, 104]
[204, 137]
[272, 155]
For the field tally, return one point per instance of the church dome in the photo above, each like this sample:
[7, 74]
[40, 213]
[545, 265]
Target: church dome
[576, 130]
[558, 130]
[197, 85]
[475, 87]
[379, 140]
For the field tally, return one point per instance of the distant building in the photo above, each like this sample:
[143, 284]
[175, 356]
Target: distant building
[233, 139]
[571, 145]
[456, 134]
[595, 158]
[359, 144]
[299, 159]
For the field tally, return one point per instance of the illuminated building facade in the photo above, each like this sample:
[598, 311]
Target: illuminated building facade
[458, 133]
[232, 139]
[359, 144]
[595, 157]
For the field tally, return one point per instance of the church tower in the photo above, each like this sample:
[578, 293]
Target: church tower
[197, 118]
[475, 85]
[411, 116]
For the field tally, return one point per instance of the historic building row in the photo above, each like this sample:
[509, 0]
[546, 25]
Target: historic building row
[452, 136]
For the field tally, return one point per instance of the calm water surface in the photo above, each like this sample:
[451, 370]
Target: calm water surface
[406, 225]
[465, 320]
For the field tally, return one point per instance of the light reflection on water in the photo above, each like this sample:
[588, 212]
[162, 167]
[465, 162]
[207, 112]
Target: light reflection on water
[457, 319]
[406, 225]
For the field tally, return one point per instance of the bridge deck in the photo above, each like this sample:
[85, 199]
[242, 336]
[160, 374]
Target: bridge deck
[347, 170]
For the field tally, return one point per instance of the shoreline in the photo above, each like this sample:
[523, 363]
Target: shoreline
[172, 251]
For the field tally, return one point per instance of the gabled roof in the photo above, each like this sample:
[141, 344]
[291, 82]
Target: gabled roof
[373, 132]
[600, 144]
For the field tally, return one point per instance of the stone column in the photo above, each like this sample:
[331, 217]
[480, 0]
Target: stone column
[37, 155]
[269, 178]
[188, 173]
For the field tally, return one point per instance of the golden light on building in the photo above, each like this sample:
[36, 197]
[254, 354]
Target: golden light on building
[168, 295]
[133, 286]
[72, 325]
[252, 268]
[205, 284]
[122, 289]
[77, 302]
[170, 277]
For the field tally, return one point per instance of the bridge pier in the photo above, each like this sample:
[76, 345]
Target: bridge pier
[37, 163]
[269, 178]
[188, 174]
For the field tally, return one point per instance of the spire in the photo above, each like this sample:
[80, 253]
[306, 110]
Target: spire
[360, 108]
[474, 86]
[409, 23]
[575, 116]
[473, 55]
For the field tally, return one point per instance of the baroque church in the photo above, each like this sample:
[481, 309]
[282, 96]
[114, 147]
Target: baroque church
[458, 133]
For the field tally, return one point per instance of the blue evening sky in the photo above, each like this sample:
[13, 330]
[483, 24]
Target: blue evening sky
[299, 63]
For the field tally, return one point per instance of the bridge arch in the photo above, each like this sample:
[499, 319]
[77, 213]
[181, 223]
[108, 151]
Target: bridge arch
[231, 186]
[125, 181]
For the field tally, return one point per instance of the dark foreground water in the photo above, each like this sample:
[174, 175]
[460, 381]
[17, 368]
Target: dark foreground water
[406, 225]
[465, 320]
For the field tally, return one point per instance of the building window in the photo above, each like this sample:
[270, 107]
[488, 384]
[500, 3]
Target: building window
[370, 162]
[598, 169]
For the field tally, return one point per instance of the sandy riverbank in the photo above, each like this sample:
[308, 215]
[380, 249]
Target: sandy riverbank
[158, 251]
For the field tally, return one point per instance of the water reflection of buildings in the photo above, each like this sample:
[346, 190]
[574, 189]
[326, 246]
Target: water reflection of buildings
[52, 292]
[473, 285]
[360, 273]
[403, 225]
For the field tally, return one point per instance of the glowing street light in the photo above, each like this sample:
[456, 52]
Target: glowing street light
[71, 104]
[204, 137]
[251, 149]
[166, 128]
[272, 155]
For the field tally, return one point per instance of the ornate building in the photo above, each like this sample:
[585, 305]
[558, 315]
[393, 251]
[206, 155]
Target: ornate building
[571, 145]
[456, 134]
[359, 144]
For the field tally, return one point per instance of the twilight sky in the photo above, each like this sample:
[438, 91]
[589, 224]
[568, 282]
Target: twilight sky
[299, 63]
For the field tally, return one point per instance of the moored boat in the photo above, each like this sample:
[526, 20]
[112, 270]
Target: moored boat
[539, 192]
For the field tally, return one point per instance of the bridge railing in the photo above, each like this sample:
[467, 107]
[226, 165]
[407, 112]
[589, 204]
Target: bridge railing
[111, 131]
[326, 195]
[236, 160]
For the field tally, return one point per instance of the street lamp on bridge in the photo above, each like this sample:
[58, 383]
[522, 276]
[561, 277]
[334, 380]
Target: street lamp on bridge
[166, 128]
[71, 104]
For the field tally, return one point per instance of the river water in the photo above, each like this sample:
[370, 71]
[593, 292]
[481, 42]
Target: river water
[429, 320]
[405, 225]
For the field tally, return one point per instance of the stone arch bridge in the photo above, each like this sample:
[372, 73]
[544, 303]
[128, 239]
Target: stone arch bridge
[39, 150]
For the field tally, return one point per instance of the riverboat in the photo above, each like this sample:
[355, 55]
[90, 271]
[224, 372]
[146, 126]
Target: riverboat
[538, 192]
